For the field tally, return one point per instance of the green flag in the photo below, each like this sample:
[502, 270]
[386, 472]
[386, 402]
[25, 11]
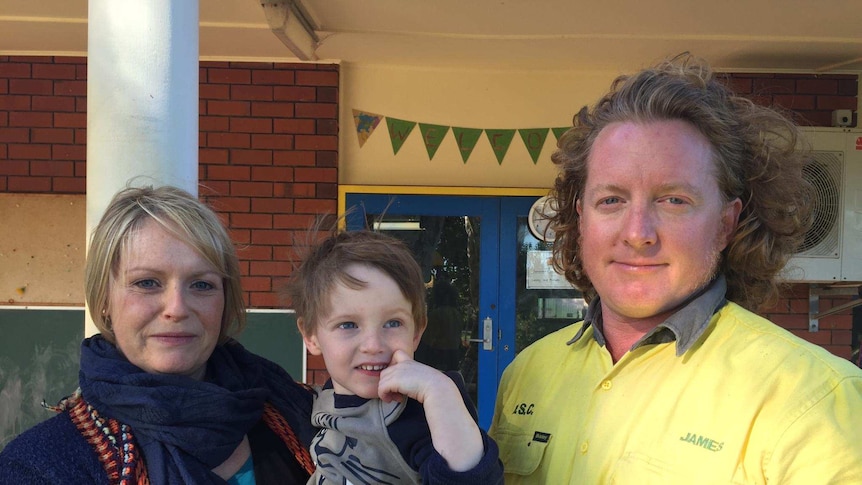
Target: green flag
[534, 140]
[500, 141]
[399, 130]
[466, 139]
[432, 135]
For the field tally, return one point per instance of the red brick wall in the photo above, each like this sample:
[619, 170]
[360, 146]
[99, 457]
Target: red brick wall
[269, 159]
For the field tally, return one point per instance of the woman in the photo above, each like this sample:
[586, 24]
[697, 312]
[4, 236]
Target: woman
[166, 395]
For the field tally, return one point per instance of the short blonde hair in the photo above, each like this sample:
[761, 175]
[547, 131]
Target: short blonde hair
[182, 215]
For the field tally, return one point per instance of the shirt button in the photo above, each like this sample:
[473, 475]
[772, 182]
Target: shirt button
[584, 447]
[606, 385]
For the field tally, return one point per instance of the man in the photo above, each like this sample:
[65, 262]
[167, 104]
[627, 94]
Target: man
[678, 204]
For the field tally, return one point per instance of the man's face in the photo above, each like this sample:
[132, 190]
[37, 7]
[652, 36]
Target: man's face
[652, 219]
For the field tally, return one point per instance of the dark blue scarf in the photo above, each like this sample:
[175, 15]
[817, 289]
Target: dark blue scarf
[187, 427]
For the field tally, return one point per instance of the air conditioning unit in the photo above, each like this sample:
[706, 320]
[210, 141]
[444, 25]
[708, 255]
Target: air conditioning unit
[832, 249]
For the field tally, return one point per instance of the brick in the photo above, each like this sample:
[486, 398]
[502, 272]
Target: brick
[842, 337]
[3, 184]
[214, 187]
[214, 91]
[230, 204]
[228, 140]
[30, 152]
[836, 102]
[269, 268]
[817, 86]
[213, 123]
[69, 185]
[70, 120]
[275, 142]
[69, 152]
[52, 168]
[773, 86]
[29, 184]
[316, 142]
[294, 93]
[293, 158]
[213, 155]
[251, 157]
[265, 300]
[848, 87]
[274, 77]
[14, 135]
[16, 69]
[30, 119]
[4, 86]
[287, 253]
[251, 221]
[72, 88]
[327, 95]
[314, 206]
[317, 110]
[327, 191]
[228, 76]
[228, 108]
[81, 104]
[843, 351]
[275, 237]
[293, 221]
[53, 103]
[794, 101]
[823, 337]
[271, 205]
[294, 126]
[274, 174]
[251, 93]
[301, 190]
[251, 125]
[256, 283]
[327, 127]
[11, 102]
[251, 189]
[798, 321]
[313, 174]
[53, 71]
[317, 78]
[80, 169]
[4, 118]
[240, 236]
[14, 167]
[255, 253]
[228, 172]
[30, 86]
[326, 159]
[272, 109]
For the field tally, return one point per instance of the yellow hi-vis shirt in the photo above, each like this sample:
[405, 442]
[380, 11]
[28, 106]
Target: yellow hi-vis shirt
[748, 402]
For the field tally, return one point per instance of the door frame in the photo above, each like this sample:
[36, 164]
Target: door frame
[500, 294]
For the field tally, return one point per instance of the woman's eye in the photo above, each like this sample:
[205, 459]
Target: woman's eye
[203, 285]
[146, 284]
[392, 324]
[347, 325]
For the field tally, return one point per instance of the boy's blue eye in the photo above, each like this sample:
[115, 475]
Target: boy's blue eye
[392, 324]
[347, 325]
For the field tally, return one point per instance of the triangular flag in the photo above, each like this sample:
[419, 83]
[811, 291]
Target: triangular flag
[558, 132]
[399, 130]
[432, 135]
[534, 140]
[466, 139]
[365, 124]
[500, 141]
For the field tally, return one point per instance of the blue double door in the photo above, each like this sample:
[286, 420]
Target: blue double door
[474, 252]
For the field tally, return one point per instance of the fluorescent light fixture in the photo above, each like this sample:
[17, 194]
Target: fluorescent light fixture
[292, 28]
[397, 226]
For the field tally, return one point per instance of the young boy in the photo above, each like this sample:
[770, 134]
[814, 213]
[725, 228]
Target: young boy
[384, 418]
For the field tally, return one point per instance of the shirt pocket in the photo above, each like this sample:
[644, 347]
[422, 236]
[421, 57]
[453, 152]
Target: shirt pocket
[521, 451]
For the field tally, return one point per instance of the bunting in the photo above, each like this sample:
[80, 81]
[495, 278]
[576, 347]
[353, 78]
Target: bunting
[465, 138]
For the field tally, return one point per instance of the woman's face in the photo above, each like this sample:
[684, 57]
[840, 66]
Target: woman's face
[165, 303]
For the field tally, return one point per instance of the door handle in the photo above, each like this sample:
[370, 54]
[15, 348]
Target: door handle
[487, 332]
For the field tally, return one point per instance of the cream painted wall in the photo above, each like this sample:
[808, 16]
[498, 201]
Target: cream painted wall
[465, 98]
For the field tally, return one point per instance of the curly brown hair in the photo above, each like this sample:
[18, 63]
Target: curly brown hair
[756, 160]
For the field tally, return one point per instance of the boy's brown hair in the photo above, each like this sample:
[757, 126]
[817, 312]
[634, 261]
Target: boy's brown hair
[326, 264]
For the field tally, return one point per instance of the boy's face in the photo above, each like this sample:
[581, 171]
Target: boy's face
[362, 331]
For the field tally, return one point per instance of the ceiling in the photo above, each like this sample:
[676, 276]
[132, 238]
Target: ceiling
[619, 35]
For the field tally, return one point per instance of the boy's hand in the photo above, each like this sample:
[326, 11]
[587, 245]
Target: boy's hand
[406, 377]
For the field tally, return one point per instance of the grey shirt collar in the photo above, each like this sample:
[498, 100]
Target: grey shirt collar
[685, 326]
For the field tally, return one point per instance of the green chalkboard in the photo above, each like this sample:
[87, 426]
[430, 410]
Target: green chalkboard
[40, 349]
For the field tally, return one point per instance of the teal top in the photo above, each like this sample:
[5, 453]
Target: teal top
[245, 475]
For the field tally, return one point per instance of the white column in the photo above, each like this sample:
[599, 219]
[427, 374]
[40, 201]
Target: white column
[142, 99]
